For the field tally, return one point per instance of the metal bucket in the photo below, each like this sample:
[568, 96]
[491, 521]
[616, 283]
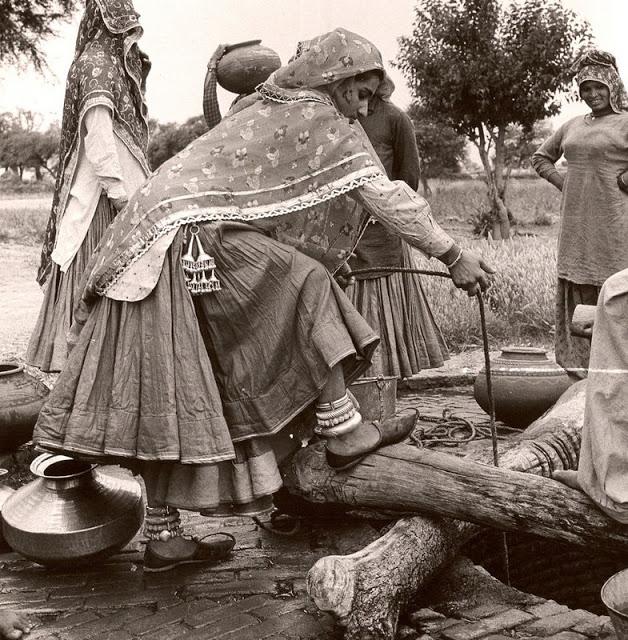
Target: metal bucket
[377, 396]
[614, 595]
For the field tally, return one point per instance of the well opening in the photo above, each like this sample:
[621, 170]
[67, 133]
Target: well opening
[569, 574]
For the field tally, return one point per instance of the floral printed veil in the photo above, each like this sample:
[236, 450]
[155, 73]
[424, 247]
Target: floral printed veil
[289, 156]
[108, 69]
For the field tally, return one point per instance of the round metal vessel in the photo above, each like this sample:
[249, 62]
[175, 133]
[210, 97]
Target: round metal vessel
[526, 383]
[72, 513]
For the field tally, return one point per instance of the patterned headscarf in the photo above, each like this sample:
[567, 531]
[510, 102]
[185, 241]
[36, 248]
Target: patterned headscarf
[313, 58]
[289, 155]
[108, 69]
[601, 66]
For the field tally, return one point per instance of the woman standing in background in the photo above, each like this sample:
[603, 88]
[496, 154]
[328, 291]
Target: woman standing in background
[593, 241]
[102, 161]
[394, 304]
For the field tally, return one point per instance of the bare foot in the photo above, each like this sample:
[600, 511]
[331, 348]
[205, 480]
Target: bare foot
[13, 625]
[569, 477]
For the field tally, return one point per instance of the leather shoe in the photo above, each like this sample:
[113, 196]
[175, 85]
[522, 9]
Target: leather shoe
[203, 552]
[391, 431]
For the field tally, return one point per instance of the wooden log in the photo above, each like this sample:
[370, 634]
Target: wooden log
[367, 589]
[423, 481]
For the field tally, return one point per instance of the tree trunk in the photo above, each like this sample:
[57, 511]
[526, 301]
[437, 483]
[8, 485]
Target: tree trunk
[368, 589]
[499, 214]
[427, 191]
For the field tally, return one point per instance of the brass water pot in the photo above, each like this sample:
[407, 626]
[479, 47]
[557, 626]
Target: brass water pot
[74, 512]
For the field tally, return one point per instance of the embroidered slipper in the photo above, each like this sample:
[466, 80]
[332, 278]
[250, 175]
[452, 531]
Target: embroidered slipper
[391, 431]
[203, 553]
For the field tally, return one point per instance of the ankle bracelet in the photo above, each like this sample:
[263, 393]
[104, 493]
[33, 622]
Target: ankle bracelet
[162, 523]
[340, 429]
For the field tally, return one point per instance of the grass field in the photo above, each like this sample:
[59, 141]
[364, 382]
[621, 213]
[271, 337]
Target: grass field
[519, 302]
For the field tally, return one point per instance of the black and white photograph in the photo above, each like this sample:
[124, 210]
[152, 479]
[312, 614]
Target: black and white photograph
[314, 320]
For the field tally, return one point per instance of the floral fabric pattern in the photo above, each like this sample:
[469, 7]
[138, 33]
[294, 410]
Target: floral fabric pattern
[283, 163]
[107, 70]
[333, 56]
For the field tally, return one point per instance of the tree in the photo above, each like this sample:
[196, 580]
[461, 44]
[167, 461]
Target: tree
[441, 148]
[24, 24]
[170, 138]
[482, 66]
[521, 143]
[23, 146]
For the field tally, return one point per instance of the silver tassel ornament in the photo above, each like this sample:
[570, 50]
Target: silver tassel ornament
[199, 269]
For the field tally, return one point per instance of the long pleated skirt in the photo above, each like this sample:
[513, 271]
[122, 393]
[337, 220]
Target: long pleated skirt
[207, 385]
[398, 310]
[47, 349]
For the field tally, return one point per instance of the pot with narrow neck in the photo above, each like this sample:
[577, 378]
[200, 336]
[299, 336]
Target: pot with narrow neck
[526, 383]
[73, 513]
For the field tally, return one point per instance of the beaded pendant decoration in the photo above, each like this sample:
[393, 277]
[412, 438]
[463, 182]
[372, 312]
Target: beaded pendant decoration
[198, 267]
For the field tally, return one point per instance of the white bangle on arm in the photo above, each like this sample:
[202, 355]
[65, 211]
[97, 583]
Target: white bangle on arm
[455, 261]
[621, 179]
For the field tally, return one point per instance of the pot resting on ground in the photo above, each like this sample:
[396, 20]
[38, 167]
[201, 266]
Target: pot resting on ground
[526, 383]
[73, 513]
[21, 398]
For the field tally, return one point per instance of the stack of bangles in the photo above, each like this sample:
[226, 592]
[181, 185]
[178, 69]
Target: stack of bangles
[162, 523]
[336, 418]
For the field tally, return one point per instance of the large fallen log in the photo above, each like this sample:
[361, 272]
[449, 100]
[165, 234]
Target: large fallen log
[367, 590]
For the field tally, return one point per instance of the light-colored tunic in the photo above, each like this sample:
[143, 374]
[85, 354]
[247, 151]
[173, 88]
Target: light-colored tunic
[105, 164]
[603, 464]
[593, 241]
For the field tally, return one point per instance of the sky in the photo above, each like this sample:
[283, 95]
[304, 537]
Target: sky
[180, 42]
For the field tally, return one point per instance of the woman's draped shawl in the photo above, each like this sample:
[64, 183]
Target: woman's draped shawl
[290, 156]
[108, 69]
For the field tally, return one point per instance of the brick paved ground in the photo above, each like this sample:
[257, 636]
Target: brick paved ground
[260, 592]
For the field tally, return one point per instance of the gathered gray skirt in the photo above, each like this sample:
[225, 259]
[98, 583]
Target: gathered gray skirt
[206, 384]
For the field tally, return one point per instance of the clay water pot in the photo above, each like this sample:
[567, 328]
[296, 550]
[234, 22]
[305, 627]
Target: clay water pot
[21, 398]
[526, 383]
[73, 513]
[242, 68]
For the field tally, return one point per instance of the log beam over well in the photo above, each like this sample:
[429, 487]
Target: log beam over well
[368, 589]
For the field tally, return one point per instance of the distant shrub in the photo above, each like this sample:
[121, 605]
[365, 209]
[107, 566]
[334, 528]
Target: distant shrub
[23, 225]
[519, 302]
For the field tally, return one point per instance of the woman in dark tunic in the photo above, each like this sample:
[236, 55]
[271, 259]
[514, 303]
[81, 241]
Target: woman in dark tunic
[394, 304]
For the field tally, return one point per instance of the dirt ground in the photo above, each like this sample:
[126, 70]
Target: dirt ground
[21, 298]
